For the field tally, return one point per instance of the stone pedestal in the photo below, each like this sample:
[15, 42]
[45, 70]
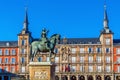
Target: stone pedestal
[41, 71]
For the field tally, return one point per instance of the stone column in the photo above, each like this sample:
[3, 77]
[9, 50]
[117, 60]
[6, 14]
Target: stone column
[94, 78]
[76, 77]
[68, 77]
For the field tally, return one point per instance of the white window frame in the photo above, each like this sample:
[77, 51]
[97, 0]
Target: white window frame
[90, 68]
[73, 59]
[13, 60]
[73, 50]
[118, 51]
[118, 69]
[98, 58]
[107, 68]
[82, 50]
[56, 59]
[6, 58]
[12, 69]
[13, 51]
[99, 68]
[90, 59]
[6, 51]
[57, 69]
[81, 59]
[107, 41]
[81, 68]
[107, 59]
[23, 69]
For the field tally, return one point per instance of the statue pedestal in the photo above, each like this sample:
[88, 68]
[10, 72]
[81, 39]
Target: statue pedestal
[41, 71]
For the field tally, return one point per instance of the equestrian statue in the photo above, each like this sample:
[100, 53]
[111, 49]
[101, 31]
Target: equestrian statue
[44, 44]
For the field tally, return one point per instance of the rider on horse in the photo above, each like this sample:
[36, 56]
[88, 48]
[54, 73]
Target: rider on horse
[44, 38]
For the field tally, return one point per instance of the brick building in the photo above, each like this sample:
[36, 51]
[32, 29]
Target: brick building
[94, 58]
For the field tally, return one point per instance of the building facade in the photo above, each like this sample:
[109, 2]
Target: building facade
[76, 58]
[8, 59]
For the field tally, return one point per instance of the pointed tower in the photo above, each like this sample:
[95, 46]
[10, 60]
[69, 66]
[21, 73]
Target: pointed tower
[106, 39]
[24, 40]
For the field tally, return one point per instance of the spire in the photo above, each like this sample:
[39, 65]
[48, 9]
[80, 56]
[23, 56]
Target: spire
[26, 20]
[105, 17]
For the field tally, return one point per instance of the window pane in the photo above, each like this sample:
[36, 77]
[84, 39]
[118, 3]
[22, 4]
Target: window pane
[6, 52]
[12, 69]
[107, 41]
[23, 69]
[81, 50]
[107, 50]
[118, 51]
[6, 60]
[73, 59]
[0, 51]
[73, 50]
[90, 59]
[13, 51]
[56, 59]
[0, 60]
[81, 59]
[13, 60]
[98, 50]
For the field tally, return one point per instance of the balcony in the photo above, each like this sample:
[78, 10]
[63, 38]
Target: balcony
[117, 62]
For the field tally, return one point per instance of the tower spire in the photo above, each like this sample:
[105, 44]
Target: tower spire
[25, 24]
[105, 17]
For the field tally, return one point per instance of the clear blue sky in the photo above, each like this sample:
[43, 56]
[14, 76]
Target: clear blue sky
[70, 18]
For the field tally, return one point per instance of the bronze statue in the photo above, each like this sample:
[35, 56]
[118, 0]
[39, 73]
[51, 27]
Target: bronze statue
[44, 45]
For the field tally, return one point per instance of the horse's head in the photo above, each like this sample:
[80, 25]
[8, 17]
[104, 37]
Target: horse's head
[55, 37]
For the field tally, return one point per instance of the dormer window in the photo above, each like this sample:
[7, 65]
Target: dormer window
[7, 44]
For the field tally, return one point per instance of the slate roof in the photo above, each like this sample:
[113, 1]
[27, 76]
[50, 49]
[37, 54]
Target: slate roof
[116, 42]
[81, 41]
[8, 43]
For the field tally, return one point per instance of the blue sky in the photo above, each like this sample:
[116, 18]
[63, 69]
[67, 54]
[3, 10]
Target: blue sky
[70, 18]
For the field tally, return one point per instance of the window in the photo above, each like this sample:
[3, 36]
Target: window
[107, 59]
[81, 50]
[6, 52]
[90, 68]
[5, 68]
[118, 68]
[48, 59]
[0, 51]
[13, 51]
[99, 68]
[12, 69]
[107, 41]
[90, 59]
[98, 50]
[6, 60]
[107, 50]
[107, 68]
[23, 51]
[81, 59]
[81, 68]
[23, 69]
[98, 58]
[13, 60]
[0, 60]
[0, 69]
[55, 50]
[89, 50]
[23, 42]
[73, 59]
[118, 51]
[39, 59]
[118, 59]
[22, 60]
[57, 69]
[73, 50]
[73, 68]
[56, 59]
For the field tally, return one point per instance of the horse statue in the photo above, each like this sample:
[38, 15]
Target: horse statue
[38, 46]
